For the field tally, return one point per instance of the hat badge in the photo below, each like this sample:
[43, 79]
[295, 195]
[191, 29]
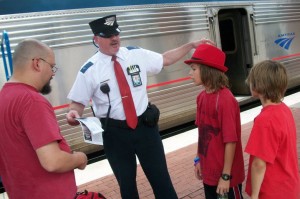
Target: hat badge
[110, 21]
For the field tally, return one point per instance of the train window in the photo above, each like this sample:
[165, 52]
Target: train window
[227, 35]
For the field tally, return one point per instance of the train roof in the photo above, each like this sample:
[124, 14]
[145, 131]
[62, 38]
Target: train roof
[26, 6]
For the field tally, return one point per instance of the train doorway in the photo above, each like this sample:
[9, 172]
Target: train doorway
[235, 41]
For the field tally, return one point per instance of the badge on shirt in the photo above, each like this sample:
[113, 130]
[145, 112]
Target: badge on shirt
[134, 72]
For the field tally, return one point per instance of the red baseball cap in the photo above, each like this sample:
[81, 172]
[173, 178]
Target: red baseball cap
[209, 55]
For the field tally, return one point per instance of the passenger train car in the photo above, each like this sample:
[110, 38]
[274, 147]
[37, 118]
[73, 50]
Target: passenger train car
[248, 31]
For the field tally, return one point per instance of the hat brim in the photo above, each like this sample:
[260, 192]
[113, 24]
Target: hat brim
[110, 32]
[217, 66]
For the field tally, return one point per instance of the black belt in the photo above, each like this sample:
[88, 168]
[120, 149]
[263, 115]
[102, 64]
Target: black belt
[119, 123]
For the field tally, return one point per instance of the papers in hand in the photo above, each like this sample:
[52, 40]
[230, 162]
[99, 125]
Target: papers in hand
[92, 130]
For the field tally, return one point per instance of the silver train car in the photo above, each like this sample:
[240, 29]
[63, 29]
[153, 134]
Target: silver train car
[248, 31]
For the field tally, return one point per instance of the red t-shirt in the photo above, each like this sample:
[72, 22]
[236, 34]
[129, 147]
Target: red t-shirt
[218, 121]
[27, 122]
[273, 139]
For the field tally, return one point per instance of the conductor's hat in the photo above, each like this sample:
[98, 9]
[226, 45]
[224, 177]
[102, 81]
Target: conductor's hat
[105, 26]
[209, 55]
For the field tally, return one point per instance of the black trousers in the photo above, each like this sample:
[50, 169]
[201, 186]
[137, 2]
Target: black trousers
[122, 145]
[234, 192]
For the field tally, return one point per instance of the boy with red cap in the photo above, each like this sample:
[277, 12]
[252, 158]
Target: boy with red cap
[219, 160]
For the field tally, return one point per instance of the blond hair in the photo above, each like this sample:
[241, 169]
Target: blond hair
[268, 78]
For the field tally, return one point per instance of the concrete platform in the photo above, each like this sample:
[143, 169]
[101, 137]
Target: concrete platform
[180, 151]
[180, 162]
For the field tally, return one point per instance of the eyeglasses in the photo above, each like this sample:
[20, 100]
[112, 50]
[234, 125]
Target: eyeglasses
[53, 67]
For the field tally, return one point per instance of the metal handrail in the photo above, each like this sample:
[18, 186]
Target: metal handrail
[5, 40]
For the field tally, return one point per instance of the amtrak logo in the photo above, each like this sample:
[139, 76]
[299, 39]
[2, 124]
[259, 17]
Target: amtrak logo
[134, 72]
[285, 40]
[110, 21]
[133, 69]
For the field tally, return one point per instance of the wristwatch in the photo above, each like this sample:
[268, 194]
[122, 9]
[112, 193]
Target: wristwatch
[226, 177]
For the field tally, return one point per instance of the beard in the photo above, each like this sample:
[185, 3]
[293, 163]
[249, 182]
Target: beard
[46, 89]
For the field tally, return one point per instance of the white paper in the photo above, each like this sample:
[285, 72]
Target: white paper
[92, 130]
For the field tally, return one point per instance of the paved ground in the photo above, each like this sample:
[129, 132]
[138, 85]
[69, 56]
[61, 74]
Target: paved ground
[180, 165]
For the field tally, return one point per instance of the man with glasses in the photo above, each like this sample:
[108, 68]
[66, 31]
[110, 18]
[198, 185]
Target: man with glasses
[53, 66]
[35, 160]
[126, 135]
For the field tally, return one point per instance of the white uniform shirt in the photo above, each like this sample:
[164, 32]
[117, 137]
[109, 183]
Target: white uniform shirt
[99, 69]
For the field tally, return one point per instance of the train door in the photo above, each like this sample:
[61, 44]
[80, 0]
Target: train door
[235, 42]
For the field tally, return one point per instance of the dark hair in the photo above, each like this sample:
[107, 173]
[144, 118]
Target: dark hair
[268, 78]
